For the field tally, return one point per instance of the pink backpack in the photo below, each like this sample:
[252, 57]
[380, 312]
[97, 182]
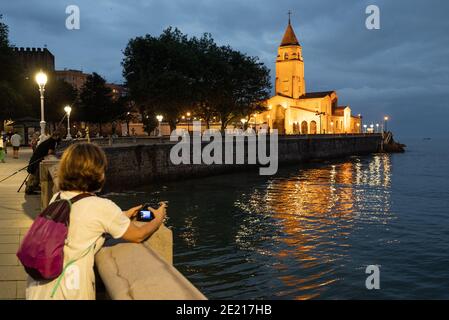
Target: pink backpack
[42, 249]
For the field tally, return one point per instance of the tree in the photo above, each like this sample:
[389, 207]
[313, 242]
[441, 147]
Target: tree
[172, 74]
[159, 73]
[96, 101]
[244, 85]
[11, 78]
[206, 88]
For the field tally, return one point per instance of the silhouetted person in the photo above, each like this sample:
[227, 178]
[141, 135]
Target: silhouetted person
[43, 149]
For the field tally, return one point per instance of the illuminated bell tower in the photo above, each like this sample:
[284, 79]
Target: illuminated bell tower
[290, 66]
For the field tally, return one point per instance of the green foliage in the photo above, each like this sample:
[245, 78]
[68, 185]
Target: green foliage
[95, 100]
[172, 74]
[12, 103]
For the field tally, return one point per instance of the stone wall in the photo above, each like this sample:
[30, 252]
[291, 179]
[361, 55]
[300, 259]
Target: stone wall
[136, 165]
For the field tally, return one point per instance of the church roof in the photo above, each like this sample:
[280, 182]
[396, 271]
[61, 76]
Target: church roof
[339, 111]
[321, 94]
[289, 38]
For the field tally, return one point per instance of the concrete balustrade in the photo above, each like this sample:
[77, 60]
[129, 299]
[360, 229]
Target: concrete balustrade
[131, 271]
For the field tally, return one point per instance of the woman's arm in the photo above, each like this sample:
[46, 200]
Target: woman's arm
[137, 234]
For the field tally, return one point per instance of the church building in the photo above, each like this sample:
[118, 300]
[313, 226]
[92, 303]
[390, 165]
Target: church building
[293, 110]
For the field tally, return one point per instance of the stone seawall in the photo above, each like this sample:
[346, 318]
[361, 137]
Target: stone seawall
[136, 165]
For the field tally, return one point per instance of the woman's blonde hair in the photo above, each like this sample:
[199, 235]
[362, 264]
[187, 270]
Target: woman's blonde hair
[82, 168]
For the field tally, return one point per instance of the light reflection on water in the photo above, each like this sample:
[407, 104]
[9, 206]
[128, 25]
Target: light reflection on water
[308, 232]
[314, 211]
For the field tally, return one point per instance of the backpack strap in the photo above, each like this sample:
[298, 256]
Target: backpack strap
[75, 198]
[83, 254]
[81, 196]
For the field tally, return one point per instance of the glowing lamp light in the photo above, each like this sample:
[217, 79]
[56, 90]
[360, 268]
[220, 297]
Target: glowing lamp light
[41, 79]
[159, 118]
[68, 109]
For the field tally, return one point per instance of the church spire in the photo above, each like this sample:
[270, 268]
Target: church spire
[289, 38]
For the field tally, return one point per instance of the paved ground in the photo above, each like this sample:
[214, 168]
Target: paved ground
[17, 212]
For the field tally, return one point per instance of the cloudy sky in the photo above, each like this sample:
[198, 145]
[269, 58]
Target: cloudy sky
[401, 70]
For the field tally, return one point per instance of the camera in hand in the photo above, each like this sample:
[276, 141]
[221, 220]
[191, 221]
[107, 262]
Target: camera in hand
[145, 214]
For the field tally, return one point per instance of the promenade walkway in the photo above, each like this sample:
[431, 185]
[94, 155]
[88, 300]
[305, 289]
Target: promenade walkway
[17, 212]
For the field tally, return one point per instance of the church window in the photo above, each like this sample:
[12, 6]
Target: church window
[313, 127]
[286, 56]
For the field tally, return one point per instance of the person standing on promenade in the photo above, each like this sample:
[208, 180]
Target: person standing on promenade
[2, 151]
[81, 171]
[16, 140]
[42, 150]
[4, 137]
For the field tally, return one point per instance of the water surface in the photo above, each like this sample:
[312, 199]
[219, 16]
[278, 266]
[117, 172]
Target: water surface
[311, 230]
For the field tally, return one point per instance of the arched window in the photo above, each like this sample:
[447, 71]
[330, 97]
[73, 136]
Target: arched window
[296, 128]
[313, 127]
[304, 127]
[286, 56]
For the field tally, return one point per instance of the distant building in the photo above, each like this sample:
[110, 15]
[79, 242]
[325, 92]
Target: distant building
[35, 59]
[293, 110]
[76, 78]
[117, 90]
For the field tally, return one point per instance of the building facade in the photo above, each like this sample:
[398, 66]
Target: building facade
[76, 78]
[293, 110]
[35, 59]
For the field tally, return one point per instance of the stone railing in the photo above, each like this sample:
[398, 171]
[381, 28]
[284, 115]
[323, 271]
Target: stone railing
[130, 271]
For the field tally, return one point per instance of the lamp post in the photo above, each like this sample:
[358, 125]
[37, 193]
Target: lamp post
[188, 121]
[358, 127]
[159, 118]
[385, 123]
[320, 114]
[243, 121]
[67, 110]
[41, 79]
[377, 128]
[364, 127]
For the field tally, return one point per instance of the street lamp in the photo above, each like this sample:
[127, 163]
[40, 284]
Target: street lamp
[317, 113]
[67, 110]
[41, 79]
[358, 127]
[385, 123]
[159, 118]
[377, 127]
[364, 127]
[243, 121]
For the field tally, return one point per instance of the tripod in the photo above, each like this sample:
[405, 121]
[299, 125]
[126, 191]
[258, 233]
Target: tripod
[24, 181]
[21, 170]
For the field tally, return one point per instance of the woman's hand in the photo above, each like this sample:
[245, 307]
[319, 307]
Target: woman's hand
[160, 212]
[131, 213]
[138, 233]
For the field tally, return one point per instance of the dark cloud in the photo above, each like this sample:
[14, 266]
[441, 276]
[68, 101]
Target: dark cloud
[400, 70]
